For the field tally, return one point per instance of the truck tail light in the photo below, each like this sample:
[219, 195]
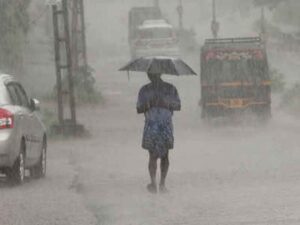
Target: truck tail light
[6, 119]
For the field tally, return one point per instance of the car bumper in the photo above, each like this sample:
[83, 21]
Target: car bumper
[216, 110]
[237, 105]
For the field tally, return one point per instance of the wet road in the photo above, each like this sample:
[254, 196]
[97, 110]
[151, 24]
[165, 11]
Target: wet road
[219, 174]
[48, 201]
[222, 173]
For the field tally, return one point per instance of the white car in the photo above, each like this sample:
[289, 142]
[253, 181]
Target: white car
[23, 140]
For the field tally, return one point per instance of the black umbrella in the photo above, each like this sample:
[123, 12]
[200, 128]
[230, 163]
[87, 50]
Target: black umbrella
[159, 65]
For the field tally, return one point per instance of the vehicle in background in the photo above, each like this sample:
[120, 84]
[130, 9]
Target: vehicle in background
[235, 77]
[156, 38]
[137, 16]
[23, 139]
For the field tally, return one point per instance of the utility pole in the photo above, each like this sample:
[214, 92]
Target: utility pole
[180, 15]
[57, 43]
[215, 26]
[78, 37]
[62, 44]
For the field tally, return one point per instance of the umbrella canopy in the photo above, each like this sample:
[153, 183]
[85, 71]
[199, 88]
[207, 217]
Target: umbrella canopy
[159, 65]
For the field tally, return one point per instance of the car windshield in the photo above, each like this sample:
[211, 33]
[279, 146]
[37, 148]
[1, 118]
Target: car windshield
[251, 70]
[155, 33]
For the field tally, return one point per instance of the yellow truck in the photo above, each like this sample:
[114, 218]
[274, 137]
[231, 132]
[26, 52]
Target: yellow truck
[235, 77]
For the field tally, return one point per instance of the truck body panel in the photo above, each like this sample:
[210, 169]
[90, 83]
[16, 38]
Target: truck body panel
[235, 77]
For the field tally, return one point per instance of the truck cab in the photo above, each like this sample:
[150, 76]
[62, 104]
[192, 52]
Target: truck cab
[156, 38]
[137, 16]
[235, 77]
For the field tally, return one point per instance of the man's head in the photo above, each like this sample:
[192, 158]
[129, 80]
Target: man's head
[154, 77]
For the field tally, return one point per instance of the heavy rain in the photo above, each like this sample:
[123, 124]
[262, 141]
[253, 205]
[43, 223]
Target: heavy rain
[103, 121]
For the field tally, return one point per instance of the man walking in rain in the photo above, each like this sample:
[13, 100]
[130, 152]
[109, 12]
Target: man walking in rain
[158, 100]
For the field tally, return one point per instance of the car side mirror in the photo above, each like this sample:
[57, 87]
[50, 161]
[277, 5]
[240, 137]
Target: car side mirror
[34, 104]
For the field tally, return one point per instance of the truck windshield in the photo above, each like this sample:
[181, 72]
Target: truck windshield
[250, 70]
[155, 33]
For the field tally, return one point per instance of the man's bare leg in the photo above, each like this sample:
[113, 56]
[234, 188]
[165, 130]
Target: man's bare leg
[152, 171]
[164, 167]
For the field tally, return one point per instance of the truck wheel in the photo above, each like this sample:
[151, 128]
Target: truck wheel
[17, 173]
[39, 170]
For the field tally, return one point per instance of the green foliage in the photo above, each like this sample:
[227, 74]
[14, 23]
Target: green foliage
[84, 88]
[14, 25]
[278, 82]
[85, 91]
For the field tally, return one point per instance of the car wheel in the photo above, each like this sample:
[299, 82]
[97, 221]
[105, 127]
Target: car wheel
[39, 170]
[17, 173]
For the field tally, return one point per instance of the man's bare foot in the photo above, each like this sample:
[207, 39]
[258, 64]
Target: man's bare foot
[163, 189]
[152, 188]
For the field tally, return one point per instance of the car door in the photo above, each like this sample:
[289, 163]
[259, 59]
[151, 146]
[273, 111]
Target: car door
[21, 117]
[31, 140]
[19, 122]
[35, 134]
